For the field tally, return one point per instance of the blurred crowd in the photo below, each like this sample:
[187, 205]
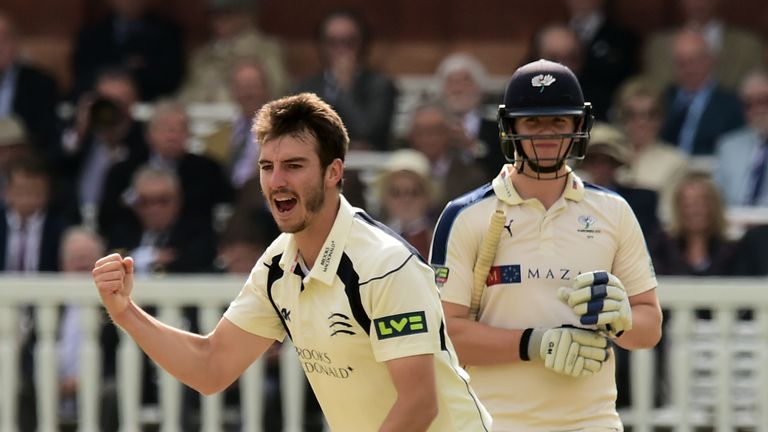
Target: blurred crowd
[682, 135]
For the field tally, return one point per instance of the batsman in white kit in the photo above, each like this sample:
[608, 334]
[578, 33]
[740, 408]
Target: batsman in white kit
[540, 272]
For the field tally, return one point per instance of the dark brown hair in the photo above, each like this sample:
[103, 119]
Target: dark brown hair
[304, 113]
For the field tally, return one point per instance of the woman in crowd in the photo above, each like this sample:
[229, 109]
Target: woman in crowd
[698, 244]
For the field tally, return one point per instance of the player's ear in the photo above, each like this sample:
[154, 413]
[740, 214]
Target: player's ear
[334, 172]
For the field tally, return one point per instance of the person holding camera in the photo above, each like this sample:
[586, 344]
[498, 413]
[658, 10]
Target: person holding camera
[103, 133]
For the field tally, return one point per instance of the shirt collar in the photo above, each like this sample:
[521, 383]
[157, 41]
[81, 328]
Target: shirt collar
[35, 221]
[327, 262]
[688, 97]
[505, 190]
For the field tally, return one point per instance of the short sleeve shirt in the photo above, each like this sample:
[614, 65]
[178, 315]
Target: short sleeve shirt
[540, 250]
[368, 299]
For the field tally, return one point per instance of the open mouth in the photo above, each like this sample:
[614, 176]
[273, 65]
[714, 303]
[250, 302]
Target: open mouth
[284, 205]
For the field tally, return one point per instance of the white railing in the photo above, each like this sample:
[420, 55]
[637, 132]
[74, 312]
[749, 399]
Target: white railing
[717, 370]
[210, 293]
[707, 361]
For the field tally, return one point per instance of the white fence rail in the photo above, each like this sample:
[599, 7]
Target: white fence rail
[717, 370]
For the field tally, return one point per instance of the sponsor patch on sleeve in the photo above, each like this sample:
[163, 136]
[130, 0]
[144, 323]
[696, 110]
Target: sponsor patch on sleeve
[441, 275]
[400, 325]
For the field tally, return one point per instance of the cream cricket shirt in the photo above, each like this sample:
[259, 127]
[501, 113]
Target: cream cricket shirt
[368, 299]
[539, 251]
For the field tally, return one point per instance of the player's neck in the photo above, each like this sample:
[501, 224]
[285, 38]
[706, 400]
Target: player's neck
[311, 239]
[547, 191]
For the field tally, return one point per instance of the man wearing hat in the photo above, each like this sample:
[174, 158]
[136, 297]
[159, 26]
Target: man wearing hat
[407, 197]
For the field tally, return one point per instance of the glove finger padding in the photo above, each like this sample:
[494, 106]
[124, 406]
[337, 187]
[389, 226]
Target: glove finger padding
[597, 277]
[599, 298]
[591, 367]
[571, 351]
[592, 293]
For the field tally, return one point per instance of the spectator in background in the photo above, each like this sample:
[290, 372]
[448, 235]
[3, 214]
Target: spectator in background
[29, 243]
[697, 244]
[233, 145]
[130, 37]
[608, 151]
[432, 132]
[203, 183]
[750, 258]
[559, 43]
[654, 164]
[698, 109]
[13, 144]
[29, 230]
[234, 37]
[461, 78]
[161, 238]
[80, 248]
[736, 50]
[741, 171]
[27, 92]
[609, 51]
[364, 98]
[104, 133]
[405, 193]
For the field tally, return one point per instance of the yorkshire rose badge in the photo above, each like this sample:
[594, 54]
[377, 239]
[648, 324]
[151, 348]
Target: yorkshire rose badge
[542, 81]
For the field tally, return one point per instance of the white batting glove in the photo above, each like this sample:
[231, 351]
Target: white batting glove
[599, 298]
[566, 350]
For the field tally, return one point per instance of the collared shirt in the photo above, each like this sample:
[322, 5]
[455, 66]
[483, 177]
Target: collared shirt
[367, 299]
[7, 90]
[30, 234]
[697, 103]
[244, 151]
[162, 162]
[94, 172]
[539, 251]
[757, 175]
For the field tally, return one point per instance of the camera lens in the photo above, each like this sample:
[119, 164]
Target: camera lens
[105, 115]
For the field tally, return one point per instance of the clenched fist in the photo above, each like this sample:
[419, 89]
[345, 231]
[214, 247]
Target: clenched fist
[113, 276]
